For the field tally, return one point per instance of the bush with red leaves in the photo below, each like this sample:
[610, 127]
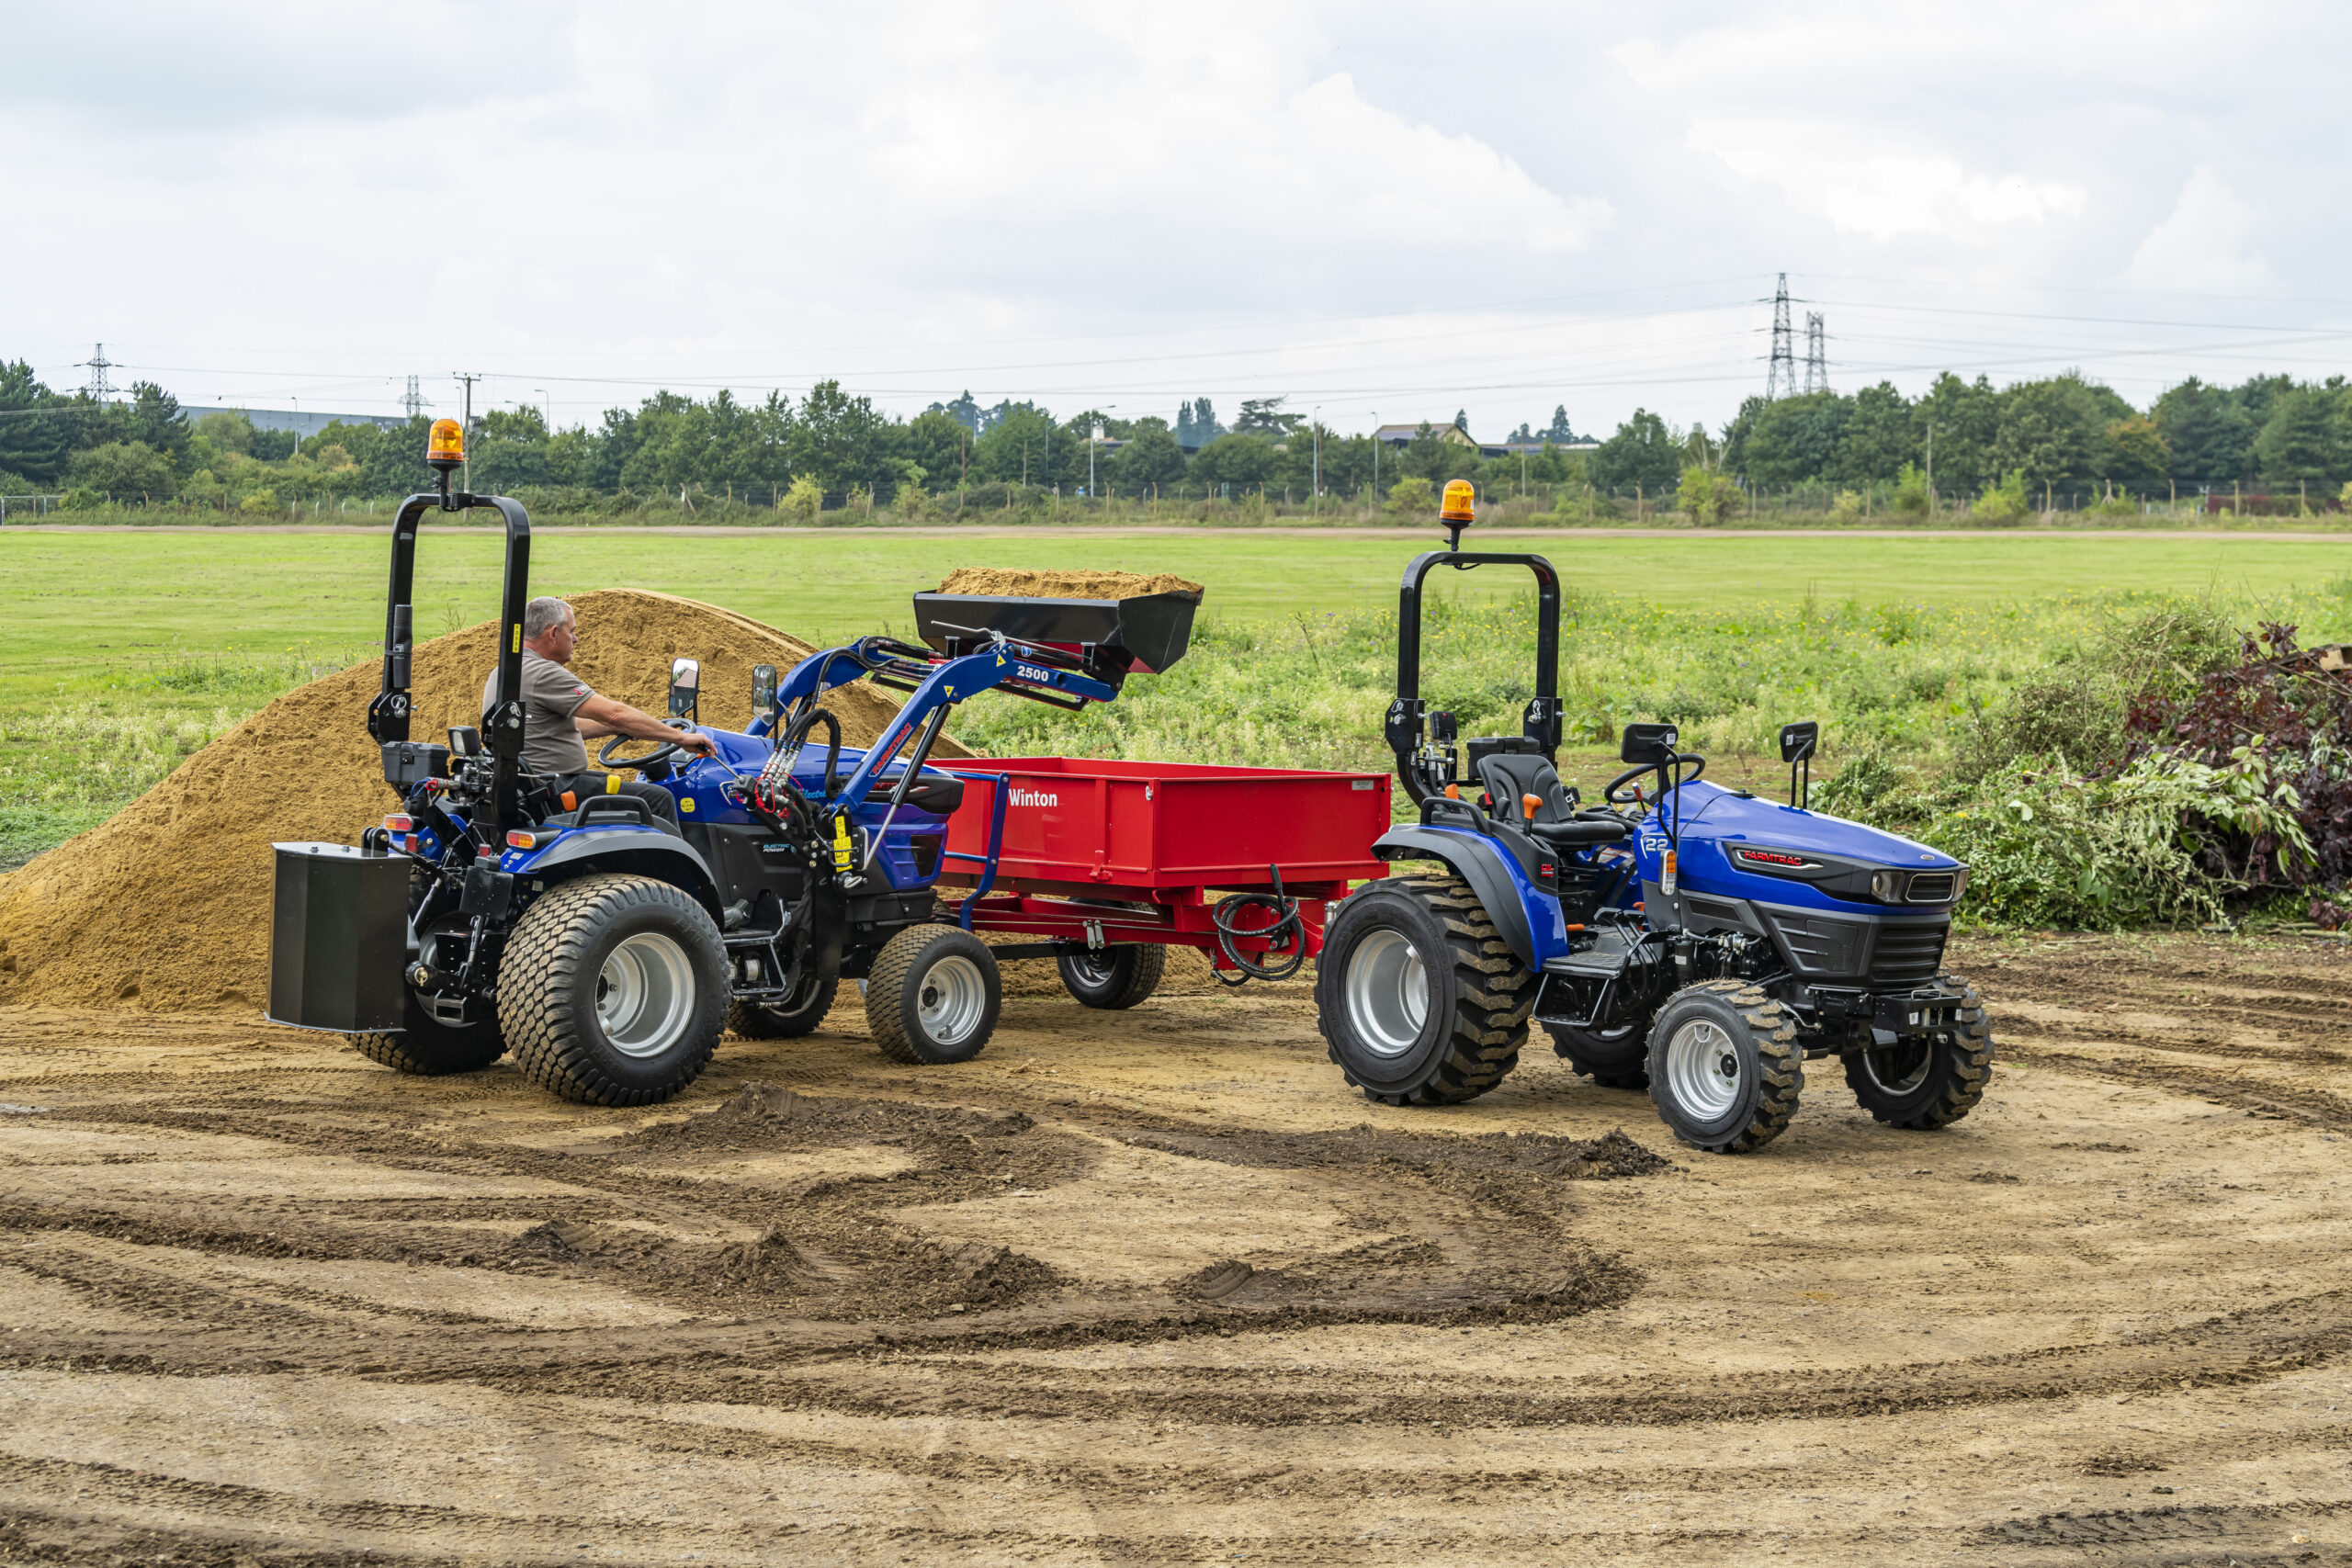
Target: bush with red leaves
[2295, 718]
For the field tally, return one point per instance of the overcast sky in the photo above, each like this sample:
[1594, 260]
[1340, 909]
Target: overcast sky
[1391, 210]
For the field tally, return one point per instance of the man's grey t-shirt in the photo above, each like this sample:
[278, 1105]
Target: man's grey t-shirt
[551, 694]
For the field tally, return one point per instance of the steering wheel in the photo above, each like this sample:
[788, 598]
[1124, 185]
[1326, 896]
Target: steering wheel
[1616, 793]
[661, 753]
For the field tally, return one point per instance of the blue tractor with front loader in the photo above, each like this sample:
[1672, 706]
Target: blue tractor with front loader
[1675, 934]
[606, 949]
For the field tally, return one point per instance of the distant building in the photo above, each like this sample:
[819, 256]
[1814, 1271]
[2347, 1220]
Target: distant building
[1443, 429]
[1535, 448]
[302, 422]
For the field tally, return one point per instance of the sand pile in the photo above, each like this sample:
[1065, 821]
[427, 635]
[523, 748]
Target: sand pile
[1000, 582]
[167, 905]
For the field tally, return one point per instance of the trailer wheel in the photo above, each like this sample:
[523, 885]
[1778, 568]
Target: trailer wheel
[789, 1020]
[1924, 1084]
[1612, 1058]
[431, 1049]
[1725, 1068]
[613, 990]
[932, 995]
[1115, 976]
[1421, 999]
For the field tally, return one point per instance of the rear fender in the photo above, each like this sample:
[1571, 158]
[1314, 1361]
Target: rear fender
[626, 849]
[1528, 917]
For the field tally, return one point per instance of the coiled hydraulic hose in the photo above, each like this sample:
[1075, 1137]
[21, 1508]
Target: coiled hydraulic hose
[1286, 924]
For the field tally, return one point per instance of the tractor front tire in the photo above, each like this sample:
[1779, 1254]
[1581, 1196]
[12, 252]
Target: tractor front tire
[932, 996]
[430, 1049]
[789, 1020]
[613, 990]
[1418, 995]
[1612, 1058]
[1921, 1085]
[1725, 1068]
[1114, 977]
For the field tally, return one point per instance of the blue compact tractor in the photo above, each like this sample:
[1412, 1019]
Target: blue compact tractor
[1675, 935]
[606, 948]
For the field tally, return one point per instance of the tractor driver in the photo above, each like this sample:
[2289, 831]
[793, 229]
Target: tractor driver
[560, 712]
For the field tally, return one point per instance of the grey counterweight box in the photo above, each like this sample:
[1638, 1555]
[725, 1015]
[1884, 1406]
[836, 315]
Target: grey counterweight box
[338, 939]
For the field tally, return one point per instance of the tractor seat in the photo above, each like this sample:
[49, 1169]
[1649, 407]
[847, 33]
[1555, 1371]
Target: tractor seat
[612, 808]
[1510, 776]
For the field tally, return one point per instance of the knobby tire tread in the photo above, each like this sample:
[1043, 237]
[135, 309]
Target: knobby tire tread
[1490, 1018]
[1779, 1058]
[1967, 1073]
[542, 970]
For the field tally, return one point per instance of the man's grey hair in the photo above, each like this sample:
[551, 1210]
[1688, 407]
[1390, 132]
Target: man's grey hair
[541, 616]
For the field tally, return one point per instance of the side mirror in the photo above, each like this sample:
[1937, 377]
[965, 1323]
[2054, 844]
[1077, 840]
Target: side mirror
[1798, 742]
[1650, 745]
[465, 740]
[686, 687]
[763, 693]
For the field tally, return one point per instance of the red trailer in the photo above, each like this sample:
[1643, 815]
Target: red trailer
[1094, 855]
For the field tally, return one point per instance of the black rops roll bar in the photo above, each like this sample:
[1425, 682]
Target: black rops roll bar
[387, 715]
[1540, 721]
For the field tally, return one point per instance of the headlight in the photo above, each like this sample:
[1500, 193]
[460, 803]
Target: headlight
[1959, 884]
[1887, 888]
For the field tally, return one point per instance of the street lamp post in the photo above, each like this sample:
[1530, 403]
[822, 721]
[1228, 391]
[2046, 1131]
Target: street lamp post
[1376, 455]
[547, 408]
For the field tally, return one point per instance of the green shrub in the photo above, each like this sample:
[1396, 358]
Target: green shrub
[803, 501]
[1912, 498]
[2003, 501]
[2048, 848]
[1412, 494]
[1707, 499]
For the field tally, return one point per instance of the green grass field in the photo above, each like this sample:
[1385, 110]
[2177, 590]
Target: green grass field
[73, 601]
[121, 651]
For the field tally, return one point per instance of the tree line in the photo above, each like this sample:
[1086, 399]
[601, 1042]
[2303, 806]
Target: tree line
[830, 446]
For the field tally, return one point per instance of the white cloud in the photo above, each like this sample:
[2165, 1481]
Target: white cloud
[1845, 173]
[2204, 245]
[1093, 202]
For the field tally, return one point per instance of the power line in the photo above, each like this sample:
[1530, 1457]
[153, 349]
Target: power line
[412, 401]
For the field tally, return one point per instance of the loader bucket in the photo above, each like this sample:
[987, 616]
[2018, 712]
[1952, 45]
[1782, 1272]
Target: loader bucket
[1115, 636]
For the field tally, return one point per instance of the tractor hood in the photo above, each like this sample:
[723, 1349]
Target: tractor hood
[1742, 846]
[1712, 811]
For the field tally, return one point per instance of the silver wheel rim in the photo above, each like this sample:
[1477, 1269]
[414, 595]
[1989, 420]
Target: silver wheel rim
[953, 998]
[1884, 1067]
[1388, 993]
[1703, 1068]
[645, 995]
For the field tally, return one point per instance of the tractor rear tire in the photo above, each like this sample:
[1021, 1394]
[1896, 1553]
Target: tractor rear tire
[1418, 995]
[1725, 1066]
[789, 1020]
[1923, 1085]
[428, 1048]
[1115, 977]
[613, 990]
[932, 996]
[1612, 1058]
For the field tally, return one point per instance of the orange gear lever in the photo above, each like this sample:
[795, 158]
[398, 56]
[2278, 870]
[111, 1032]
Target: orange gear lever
[1531, 804]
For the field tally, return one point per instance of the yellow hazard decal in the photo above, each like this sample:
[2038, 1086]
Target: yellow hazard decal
[518, 639]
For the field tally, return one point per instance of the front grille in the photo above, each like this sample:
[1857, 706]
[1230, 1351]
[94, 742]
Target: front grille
[1930, 887]
[1907, 953]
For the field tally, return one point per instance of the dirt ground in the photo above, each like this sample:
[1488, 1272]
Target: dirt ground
[1152, 1288]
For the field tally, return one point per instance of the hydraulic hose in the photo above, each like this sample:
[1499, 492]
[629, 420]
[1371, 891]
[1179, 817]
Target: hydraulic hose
[1286, 924]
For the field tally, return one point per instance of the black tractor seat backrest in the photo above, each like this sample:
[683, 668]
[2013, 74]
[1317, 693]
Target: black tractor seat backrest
[609, 808]
[1510, 778]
